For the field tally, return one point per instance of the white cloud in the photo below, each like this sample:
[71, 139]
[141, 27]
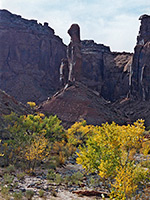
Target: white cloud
[113, 23]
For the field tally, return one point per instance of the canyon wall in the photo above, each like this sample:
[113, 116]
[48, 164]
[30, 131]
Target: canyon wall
[30, 55]
[105, 71]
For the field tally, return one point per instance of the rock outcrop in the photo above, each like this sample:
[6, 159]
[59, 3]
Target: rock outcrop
[141, 61]
[30, 55]
[105, 71]
[7, 105]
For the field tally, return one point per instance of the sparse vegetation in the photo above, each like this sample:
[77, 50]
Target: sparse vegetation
[58, 179]
[10, 169]
[8, 179]
[51, 175]
[29, 194]
[21, 175]
[17, 195]
[5, 192]
[41, 193]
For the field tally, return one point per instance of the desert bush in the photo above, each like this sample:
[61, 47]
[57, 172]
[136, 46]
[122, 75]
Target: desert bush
[77, 177]
[17, 195]
[8, 179]
[5, 192]
[58, 179]
[29, 194]
[41, 193]
[20, 175]
[78, 133]
[145, 147]
[62, 150]
[31, 104]
[51, 175]
[10, 169]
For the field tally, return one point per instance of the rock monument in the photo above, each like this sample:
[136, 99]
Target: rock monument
[74, 53]
[141, 61]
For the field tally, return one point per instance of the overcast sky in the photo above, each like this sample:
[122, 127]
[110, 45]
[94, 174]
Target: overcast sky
[111, 22]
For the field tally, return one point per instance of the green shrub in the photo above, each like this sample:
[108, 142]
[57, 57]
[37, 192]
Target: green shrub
[5, 192]
[58, 179]
[77, 178]
[21, 175]
[29, 194]
[10, 169]
[41, 193]
[8, 179]
[51, 175]
[17, 195]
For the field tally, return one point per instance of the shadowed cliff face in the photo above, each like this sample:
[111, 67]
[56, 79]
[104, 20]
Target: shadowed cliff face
[30, 57]
[105, 71]
[141, 61]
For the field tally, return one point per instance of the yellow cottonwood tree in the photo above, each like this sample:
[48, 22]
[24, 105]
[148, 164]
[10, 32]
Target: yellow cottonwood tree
[37, 150]
[29, 136]
[109, 151]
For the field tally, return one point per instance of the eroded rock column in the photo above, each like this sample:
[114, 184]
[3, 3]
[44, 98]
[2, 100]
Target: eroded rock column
[74, 53]
[141, 61]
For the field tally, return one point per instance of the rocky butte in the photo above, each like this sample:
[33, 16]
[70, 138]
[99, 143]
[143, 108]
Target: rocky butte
[30, 55]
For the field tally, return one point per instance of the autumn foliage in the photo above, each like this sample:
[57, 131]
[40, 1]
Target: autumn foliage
[108, 150]
[31, 137]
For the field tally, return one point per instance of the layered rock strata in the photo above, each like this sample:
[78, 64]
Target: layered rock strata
[104, 71]
[30, 55]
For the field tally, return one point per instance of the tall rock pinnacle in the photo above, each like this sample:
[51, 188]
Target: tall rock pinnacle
[141, 61]
[74, 53]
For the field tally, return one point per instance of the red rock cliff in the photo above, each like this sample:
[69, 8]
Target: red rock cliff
[30, 57]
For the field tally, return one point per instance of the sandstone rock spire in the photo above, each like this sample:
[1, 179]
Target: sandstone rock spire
[74, 53]
[141, 61]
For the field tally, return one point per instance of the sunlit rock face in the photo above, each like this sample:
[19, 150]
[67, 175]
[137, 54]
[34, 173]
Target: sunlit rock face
[141, 61]
[30, 55]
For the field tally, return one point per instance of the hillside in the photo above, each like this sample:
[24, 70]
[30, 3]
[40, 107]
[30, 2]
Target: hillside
[79, 102]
